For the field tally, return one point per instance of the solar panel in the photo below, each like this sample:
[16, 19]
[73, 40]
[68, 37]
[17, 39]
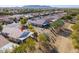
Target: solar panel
[24, 34]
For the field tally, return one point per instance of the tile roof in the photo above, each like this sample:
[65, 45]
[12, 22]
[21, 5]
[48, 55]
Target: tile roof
[3, 41]
[13, 30]
[37, 21]
[6, 45]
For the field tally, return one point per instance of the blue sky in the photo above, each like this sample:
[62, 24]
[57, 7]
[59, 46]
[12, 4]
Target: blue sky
[13, 3]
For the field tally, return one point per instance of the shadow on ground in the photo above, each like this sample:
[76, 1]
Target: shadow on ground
[54, 50]
[65, 32]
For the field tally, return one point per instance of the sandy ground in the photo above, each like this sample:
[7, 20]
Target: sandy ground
[68, 26]
[64, 44]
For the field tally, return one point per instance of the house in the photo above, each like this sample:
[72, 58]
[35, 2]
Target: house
[5, 45]
[43, 21]
[51, 18]
[6, 19]
[38, 22]
[14, 32]
[54, 17]
[15, 18]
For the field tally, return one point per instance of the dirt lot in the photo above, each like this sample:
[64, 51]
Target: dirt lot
[64, 44]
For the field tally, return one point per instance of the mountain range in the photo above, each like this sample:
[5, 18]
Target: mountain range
[66, 6]
[36, 6]
[52, 6]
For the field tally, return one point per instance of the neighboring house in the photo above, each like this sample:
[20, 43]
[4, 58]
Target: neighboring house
[6, 19]
[15, 18]
[28, 15]
[5, 45]
[13, 31]
[45, 20]
[54, 17]
[10, 19]
[38, 22]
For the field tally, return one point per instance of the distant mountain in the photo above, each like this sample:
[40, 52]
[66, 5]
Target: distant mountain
[66, 6]
[36, 6]
[52, 6]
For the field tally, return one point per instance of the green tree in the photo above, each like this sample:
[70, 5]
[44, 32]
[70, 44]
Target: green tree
[77, 17]
[75, 43]
[23, 21]
[73, 14]
[1, 27]
[42, 37]
[69, 17]
[30, 26]
[20, 49]
[30, 44]
[27, 46]
[75, 35]
[76, 26]
[57, 23]
[75, 39]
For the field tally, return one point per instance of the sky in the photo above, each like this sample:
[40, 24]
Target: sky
[13, 3]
